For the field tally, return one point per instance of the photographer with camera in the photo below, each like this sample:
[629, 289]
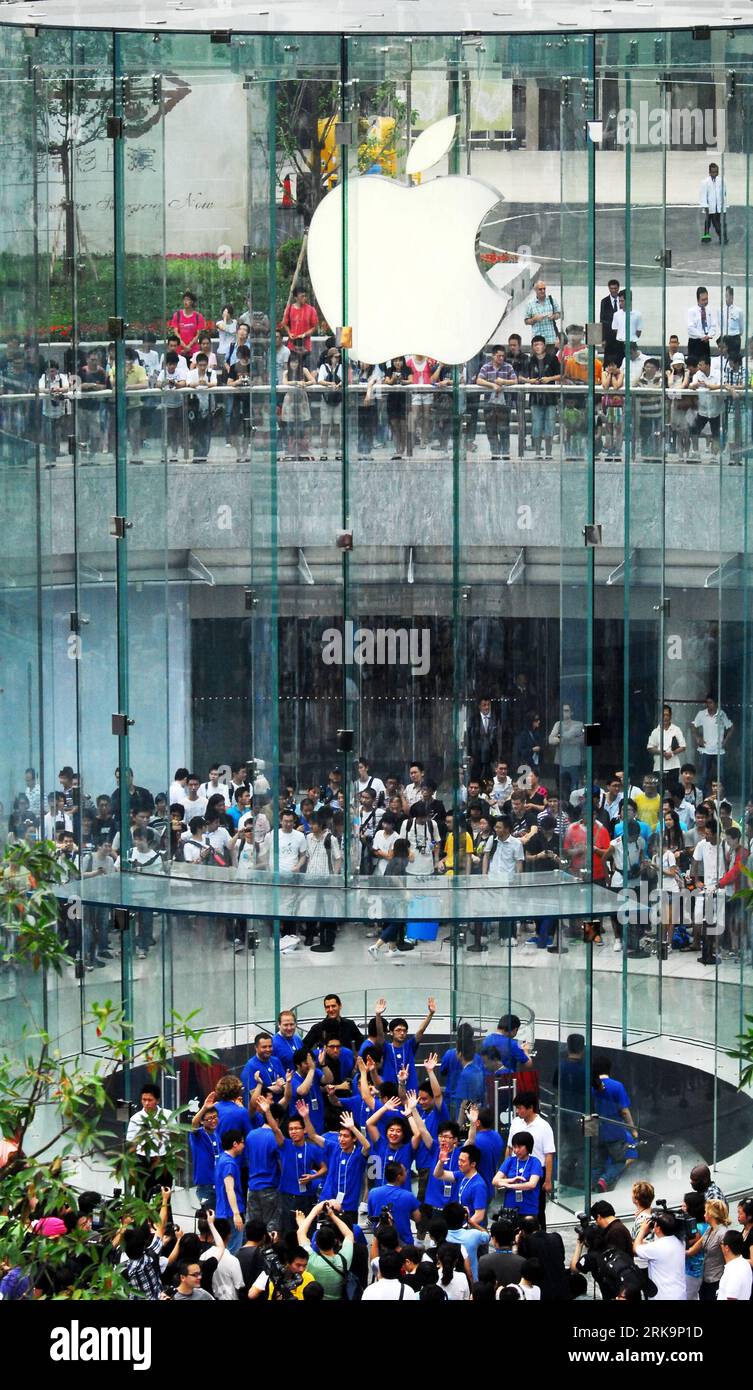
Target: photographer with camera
[611, 1265]
[664, 1257]
[285, 1275]
[393, 1200]
[330, 1263]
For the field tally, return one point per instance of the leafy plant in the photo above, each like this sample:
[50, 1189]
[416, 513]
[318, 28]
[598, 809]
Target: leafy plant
[56, 1111]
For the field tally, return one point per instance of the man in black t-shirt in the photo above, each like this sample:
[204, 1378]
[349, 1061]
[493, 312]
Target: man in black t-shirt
[346, 1030]
[523, 820]
[250, 1255]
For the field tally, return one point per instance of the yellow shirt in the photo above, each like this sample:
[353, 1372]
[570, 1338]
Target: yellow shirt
[648, 808]
[466, 849]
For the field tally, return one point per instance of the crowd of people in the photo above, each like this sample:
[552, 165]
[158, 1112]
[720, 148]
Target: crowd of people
[212, 375]
[675, 833]
[336, 1166]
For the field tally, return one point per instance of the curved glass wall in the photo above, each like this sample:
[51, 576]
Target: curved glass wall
[305, 573]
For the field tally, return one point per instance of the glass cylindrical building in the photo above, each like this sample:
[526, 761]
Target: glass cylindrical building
[443, 496]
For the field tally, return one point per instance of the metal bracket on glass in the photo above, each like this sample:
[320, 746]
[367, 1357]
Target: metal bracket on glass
[345, 740]
[248, 253]
[594, 334]
[77, 621]
[592, 535]
[118, 527]
[344, 133]
[121, 919]
[120, 725]
[731, 85]
[249, 599]
[701, 32]
[662, 607]
[157, 88]
[114, 127]
[592, 735]
[125, 88]
[590, 1126]
[116, 327]
[664, 259]
[71, 444]
[221, 36]
[565, 98]
[344, 540]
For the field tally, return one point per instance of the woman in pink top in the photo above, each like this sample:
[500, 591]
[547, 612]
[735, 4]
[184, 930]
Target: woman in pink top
[188, 324]
[420, 369]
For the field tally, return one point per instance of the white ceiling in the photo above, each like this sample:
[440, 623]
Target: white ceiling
[381, 16]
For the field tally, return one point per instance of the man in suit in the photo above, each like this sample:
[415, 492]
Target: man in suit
[613, 351]
[482, 740]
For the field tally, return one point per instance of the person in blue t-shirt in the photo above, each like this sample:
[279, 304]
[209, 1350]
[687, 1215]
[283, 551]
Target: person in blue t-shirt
[231, 1112]
[399, 1051]
[228, 1199]
[338, 1064]
[450, 1068]
[468, 1187]
[512, 1054]
[263, 1067]
[301, 1168]
[438, 1190]
[399, 1142]
[263, 1159]
[488, 1142]
[460, 1232]
[306, 1084]
[617, 1147]
[431, 1109]
[345, 1154]
[394, 1194]
[286, 1040]
[520, 1176]
[205, 1149]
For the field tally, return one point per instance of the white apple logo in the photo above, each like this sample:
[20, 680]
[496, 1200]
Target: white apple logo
[413, 285]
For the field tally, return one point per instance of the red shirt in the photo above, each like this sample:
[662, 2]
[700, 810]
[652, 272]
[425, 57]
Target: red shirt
[187, 326]
[301, 319]
[575, 842]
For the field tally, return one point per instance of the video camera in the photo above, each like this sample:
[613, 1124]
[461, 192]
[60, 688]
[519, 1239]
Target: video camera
[284, 1281]
[683, 1223]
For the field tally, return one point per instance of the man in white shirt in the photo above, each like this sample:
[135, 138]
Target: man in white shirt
[732, 319]
[147, 1137]
[366, 782]
[389, 1287]
[711, 728]
[619, 322]
[664, 1257]
[501, 789]
[529, 1121]
[706, 381]
[504, 854]
[713, 200]
[707, 868]
[194, 803]
[214, 787]
[291, 846]
[666, 745]
[178, 791]
[227, 1280]
[412, 792]
[703, 329]
[323, 850]
[737, 1279]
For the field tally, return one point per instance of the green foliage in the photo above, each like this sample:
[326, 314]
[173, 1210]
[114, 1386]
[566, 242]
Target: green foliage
[60, 1109]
